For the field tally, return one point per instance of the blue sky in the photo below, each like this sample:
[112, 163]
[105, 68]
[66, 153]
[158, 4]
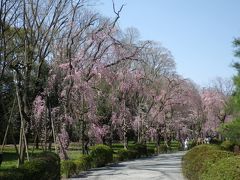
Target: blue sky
[199, 33]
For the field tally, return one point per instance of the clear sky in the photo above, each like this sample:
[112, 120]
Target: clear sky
[199, 33]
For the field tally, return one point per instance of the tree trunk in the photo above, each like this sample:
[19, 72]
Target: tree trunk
[22, 137]
[82, 139]
[158, 143]
[166, 139]
[9, 122]
[52, 122]
[83, 127]
[65, 156]
[138, 138]
[14, 142]
[37, 142]
[50, 146]
[125, 144]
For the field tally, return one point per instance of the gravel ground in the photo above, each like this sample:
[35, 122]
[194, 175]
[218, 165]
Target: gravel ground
[162, 167]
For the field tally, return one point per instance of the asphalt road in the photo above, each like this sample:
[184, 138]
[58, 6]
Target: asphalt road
[162, 167]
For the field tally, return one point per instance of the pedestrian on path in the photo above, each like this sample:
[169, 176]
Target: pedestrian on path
[186, 144]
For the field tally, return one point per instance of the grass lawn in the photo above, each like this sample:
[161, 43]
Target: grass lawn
[10, 156]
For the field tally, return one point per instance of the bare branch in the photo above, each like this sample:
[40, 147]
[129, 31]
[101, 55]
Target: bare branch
[117, 13]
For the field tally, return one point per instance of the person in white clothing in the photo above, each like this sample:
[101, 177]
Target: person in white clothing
[186, 144]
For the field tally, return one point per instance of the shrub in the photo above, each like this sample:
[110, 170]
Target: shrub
[215, 141]
[132, 154]
[73, 167]
[140, 149]
[115, 158]
[200, 158]
[150, 151]
[175, 146]
[101, 155]
[68, 168]
[12, 174]
[224, 169]
[163, 148]
[45, 166]
[192, 144]
[227, 145]
[123, 154]
[84, 163]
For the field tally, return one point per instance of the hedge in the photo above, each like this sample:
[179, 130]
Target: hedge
[12, 174]
[224, 169]
[227, 145]
[45, 166]
[139, 149]
[163, 148]
[123, 155]
[101, 155]
[74, 167]
[151, 151]
[135, 151]
[200, 159]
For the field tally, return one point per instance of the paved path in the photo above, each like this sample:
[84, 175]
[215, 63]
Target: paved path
[162, 167]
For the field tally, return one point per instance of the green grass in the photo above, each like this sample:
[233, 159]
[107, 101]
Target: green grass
[151, 145]
[10, 156]
[9, 160]
[74, 154]
[75, 146]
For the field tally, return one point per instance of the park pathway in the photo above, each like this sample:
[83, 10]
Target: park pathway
[162, 167]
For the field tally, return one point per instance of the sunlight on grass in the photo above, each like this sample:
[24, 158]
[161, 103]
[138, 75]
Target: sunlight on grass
[10, 158]
[74, 152]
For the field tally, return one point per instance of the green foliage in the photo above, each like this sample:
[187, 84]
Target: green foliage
[215, 141]
[12, 174]
[45, 166]
[192, 144]
[123, 154]
[200, 159]
[136, 151]
[175, 146]
[115, 158]
[132, 154]
[68, 168]
[150, 151]
[36, 168]
[140, 149]
[101, 155]
[163, 148]
[224, 169]
[85, 162]
[74, 167]
[227, 145]
[231, 131]
[236, 44]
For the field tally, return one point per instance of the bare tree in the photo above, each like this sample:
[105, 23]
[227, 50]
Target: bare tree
[223, 85]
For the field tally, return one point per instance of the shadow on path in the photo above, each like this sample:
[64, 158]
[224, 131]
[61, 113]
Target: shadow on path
[164, 167]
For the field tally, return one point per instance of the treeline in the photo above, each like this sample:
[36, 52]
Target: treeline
[68, 74]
